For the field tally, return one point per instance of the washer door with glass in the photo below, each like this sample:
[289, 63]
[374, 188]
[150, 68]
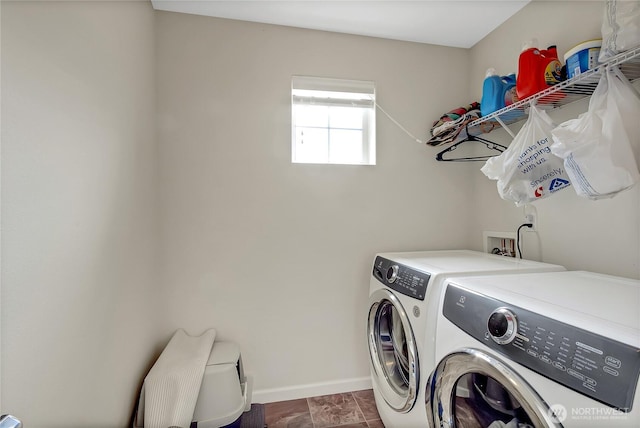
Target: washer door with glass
[393, 351]
[472, 389]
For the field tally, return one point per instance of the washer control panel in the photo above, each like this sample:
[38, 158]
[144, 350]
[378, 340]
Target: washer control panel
[401, 278]
[593, 365]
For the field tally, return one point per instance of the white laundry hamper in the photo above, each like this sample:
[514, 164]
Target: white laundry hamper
[225, 391]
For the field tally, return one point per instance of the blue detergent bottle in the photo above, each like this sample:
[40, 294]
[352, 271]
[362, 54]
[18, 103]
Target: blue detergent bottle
[497, 92]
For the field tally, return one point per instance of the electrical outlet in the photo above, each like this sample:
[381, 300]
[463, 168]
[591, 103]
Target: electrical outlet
[531, 218]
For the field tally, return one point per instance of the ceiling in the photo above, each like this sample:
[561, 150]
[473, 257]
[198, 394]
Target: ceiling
[456, 23]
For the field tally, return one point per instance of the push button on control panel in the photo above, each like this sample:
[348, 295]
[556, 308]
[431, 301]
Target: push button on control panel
[613, 362]
[559, 366]
[612, 372]
[575, 374]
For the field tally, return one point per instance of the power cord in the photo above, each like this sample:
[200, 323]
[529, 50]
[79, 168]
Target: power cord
[518, 236]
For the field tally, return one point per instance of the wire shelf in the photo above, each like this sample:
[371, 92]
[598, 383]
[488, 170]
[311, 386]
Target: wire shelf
[564, 93]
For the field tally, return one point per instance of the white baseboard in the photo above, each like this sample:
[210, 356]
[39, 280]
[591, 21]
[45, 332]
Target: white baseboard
[310, 390]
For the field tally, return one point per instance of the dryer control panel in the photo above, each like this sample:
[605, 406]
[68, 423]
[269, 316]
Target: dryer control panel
[596, 366]
[401, 278]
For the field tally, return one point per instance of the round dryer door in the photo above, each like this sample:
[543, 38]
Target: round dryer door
[470, 389]
[392, 347]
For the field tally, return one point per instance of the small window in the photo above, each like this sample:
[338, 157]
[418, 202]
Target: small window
[333, 121]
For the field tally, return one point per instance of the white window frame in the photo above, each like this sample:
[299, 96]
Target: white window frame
[318, 91]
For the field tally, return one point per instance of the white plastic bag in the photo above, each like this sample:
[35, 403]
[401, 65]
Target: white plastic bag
[620, 27]
[596, 147]
[527, 170]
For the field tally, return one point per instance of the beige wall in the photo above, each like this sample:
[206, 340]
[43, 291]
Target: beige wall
[601, 236]
[79, 158]
[263, 250]
[277, 256]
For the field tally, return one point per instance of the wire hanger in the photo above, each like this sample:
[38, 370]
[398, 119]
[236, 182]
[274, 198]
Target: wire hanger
[490, 144]
[470, 138]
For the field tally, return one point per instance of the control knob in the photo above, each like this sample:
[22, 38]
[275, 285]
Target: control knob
[392, 274]
[502, 326]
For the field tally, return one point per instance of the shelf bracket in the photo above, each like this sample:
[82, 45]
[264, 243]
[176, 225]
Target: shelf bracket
[506, 128]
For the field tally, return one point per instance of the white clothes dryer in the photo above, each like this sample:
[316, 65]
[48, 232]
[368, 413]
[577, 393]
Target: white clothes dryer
[539, 349]
[404, 297]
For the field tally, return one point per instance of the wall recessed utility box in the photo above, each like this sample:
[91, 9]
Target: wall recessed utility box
[502, 243]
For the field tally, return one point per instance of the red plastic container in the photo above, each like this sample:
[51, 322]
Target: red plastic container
[537, 70]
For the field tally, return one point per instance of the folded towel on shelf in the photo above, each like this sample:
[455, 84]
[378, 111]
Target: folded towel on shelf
[451, 127]
[170, 390]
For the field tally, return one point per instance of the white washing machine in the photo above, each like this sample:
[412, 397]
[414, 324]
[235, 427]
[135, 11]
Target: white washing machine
[404, 297]
[539, 349]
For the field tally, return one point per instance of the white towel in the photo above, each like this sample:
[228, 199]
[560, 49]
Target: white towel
[171, 388]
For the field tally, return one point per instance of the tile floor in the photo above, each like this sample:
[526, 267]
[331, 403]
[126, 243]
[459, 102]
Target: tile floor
[348, 410]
